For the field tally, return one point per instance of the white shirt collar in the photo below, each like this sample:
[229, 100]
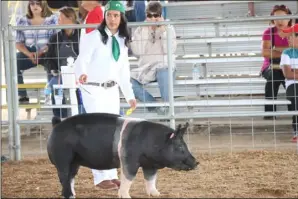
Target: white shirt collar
[109, 32]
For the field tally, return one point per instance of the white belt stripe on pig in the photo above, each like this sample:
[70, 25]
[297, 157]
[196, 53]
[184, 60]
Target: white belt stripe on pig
[125, 123]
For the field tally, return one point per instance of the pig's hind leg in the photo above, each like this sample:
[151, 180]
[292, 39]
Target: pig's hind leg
[74, 168]
[150, 176]
[66, 171]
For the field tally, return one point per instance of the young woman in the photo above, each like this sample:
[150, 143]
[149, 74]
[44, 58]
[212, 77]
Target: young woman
[62, 45]
[102, 67]
[32, 44]
[274, 41]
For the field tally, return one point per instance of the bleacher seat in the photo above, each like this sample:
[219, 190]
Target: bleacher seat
[230, 52]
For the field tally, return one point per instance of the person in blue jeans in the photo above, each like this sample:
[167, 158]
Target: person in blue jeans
[149, 43]
[32, 44]
[62, 45]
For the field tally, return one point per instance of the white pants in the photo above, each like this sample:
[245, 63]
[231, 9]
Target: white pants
[101, 100]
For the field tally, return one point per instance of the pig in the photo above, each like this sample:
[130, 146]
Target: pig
[105, 141]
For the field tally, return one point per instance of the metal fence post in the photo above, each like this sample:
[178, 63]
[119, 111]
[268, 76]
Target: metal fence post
[8, 94]
[171, 83]
[14, 94]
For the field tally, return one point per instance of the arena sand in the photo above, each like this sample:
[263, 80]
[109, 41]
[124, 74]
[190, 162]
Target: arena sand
[244, 174]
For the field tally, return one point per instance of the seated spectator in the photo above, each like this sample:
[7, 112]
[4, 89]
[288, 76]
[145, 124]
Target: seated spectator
[130, 10]
[82, 14]
[62, 45]
[94, 15]
[150, 44]
[289, 65]
[32, 44]
[274, 42]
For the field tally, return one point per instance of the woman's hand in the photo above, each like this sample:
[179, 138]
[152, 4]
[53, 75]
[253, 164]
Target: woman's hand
[83, 79]
[32, 57]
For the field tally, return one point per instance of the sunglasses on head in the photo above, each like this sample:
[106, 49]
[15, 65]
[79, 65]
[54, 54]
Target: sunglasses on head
[150, 15]
[283, 7]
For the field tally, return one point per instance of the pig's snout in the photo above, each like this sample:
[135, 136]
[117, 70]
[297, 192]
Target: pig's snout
[191, 163]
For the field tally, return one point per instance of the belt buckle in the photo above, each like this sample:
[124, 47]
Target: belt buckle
[105, 85]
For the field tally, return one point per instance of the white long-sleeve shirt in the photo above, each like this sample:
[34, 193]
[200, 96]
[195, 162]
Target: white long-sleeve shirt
[96, 61]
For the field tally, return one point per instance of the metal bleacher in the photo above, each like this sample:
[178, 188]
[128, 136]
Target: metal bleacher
[229, 53]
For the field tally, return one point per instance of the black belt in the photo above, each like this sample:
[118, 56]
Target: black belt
[107, 84]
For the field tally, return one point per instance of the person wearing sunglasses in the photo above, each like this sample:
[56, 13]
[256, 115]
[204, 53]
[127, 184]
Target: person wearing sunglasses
[149, 43]
[289, 66]
[32, 44]
[274, 42]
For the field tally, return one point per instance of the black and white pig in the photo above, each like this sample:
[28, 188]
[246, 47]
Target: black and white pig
[105, 141]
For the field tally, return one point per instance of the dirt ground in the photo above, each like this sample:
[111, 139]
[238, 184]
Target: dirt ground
[245, 174]
[233, 163]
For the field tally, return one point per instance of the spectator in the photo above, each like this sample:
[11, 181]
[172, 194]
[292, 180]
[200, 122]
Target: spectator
[130, 10]
[32, 44]
[95, 13]
[288, 63]
[102, 67]
[274, 42]
[62, 45]
[82, 14]
[139, 8]
[150, 44]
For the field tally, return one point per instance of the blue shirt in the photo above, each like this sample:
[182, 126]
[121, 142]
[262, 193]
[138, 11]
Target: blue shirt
[37, 38]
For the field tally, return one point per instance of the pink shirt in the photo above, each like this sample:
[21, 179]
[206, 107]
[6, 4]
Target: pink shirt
[278, 42]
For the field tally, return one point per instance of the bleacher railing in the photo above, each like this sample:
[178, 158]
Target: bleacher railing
[11, 73]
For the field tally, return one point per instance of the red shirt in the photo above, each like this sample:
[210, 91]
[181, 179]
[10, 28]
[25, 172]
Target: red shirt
[94, 16]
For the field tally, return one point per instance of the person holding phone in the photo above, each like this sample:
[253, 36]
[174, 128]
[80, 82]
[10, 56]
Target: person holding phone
[149, 43]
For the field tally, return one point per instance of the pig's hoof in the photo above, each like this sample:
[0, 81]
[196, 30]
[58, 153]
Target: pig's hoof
[123, 195]
[154, 193]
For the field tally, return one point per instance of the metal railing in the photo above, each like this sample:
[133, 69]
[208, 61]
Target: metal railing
[11, 74]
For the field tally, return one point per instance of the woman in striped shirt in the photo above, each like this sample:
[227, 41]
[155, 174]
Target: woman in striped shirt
[32, 44]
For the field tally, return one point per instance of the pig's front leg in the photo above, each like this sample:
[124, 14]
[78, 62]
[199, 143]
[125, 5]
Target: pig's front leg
[150, 176]
[128, 173]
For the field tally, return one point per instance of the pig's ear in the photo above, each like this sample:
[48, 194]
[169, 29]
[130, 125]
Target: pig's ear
[172, 135]
[178, 129]
[182, 131]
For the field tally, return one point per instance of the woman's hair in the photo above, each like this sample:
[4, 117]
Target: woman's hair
[70, 13]
[281, 8]
[123, 30]
[45, 9]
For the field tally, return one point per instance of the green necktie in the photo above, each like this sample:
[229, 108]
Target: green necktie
[115, 48]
